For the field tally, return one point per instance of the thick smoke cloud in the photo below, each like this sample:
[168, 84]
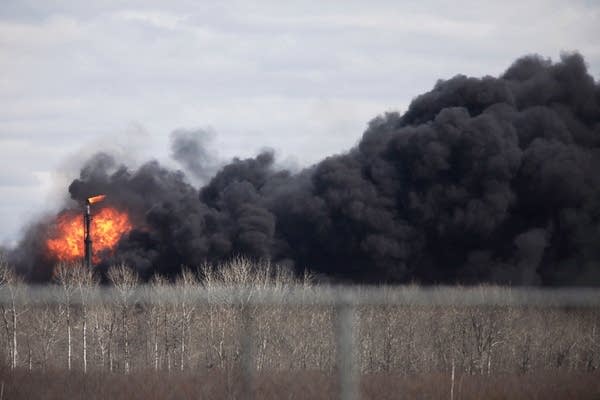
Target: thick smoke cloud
[190, 148]
[481, 180]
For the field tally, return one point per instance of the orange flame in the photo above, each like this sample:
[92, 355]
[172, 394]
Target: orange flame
[96, 199]
[108, 225]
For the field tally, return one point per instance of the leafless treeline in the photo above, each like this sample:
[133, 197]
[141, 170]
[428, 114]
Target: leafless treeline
[125, 336]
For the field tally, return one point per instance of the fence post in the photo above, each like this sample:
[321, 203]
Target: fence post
[345, 348]
[247, 353]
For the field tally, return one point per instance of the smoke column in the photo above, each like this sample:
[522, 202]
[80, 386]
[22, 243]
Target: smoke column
[481, 180]
[190, 148]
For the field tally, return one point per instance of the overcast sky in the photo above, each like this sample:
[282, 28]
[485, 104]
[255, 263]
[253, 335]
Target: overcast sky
[303, 78]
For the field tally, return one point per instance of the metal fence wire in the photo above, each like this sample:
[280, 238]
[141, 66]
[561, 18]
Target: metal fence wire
[343, 299]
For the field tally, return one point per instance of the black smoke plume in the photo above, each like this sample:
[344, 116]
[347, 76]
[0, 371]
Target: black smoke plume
[190, 148]
[481, 180]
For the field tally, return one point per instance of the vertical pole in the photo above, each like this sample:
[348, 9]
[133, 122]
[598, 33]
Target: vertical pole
[87, 240]
[452, 381]
[345, 350]
[247, 353]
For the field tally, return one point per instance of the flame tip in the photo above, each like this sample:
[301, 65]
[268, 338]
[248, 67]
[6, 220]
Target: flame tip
[96, 199]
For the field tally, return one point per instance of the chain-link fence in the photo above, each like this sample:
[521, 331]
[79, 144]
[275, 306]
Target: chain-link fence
[359, 329]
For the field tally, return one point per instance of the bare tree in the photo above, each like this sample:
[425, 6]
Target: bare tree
[85, 281]
[14, 284]
[64, 274]
[48, 320]
[104, 319]
[125, 280]
[157, 283]
[186, 282]
[177, 334]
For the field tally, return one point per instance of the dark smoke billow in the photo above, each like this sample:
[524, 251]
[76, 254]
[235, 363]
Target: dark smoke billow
[481, 180]
[190, 148]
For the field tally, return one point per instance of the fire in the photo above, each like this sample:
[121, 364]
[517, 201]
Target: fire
[96, 199]
[108, 225]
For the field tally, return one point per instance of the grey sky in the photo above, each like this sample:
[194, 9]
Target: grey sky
[303, 78]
